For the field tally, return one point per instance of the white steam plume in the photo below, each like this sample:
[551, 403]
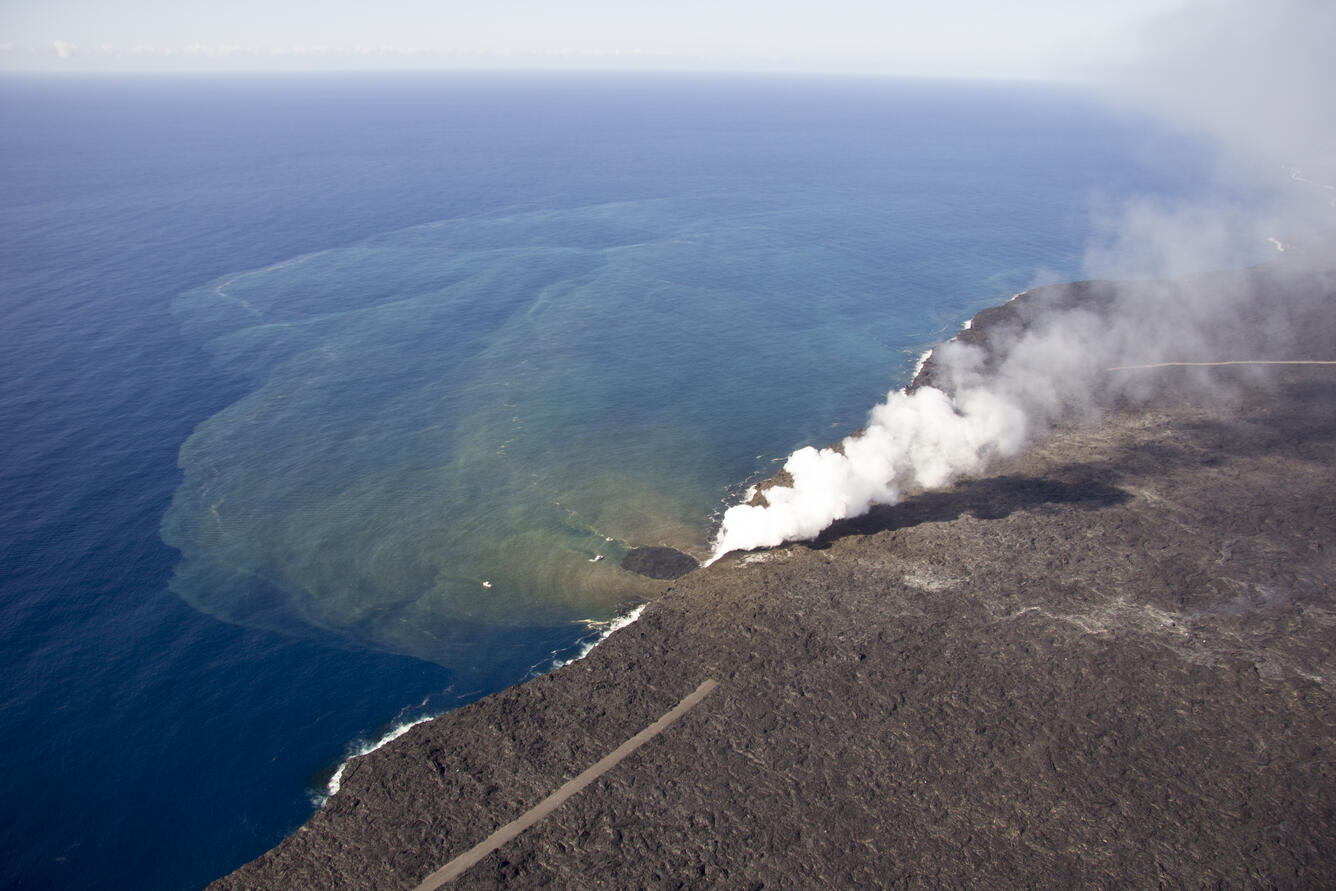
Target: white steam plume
[1062, 351]
[924, 439]
[1258, 85]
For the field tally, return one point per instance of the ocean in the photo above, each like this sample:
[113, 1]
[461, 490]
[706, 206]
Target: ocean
[329, 402]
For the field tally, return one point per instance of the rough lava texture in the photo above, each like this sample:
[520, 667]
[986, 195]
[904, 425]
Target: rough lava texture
[1107, 662]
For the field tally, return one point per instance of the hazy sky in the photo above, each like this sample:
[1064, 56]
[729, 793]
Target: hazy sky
[972, 38]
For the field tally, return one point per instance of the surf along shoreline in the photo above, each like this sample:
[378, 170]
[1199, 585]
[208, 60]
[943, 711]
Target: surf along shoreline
[1105, 660]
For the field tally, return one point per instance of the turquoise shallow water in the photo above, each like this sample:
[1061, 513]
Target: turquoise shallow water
[321, 356]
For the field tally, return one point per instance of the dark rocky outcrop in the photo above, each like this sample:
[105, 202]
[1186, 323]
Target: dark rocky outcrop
[1111, 661]
[658, 562]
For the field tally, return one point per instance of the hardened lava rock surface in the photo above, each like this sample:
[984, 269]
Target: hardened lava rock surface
[1107, 662]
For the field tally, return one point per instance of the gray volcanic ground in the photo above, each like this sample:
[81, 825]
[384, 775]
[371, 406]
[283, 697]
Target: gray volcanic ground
[1108, 660]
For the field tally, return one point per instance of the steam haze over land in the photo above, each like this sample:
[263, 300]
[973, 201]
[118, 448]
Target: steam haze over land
[1254, 80]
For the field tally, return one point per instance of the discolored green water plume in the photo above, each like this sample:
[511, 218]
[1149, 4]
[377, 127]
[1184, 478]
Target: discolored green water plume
[457, 430]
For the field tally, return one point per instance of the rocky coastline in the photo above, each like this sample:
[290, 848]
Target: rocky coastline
[1110, 660]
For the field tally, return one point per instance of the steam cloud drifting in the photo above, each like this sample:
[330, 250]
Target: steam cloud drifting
[1255, 80]
[924, 439]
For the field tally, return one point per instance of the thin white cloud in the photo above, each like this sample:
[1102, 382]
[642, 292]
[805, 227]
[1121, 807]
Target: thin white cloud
[213, 52]
[947, 37]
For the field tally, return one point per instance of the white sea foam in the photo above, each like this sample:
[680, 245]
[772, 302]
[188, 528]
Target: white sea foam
[918, 366]
[605, 630]
[1297, 175]
[335, 781]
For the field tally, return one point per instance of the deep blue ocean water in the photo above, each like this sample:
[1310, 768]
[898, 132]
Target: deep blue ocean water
[321, 395]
